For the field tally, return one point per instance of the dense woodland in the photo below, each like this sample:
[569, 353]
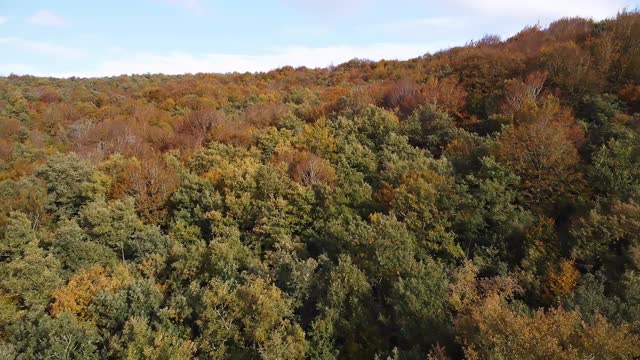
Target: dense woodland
[482, 202]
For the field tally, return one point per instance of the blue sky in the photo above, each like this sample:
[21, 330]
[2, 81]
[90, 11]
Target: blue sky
[100, 38]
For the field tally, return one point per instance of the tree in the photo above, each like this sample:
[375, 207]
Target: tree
[420, 307]
[563, 280]
[446, 93]
[64, 337]
[616, 170]
[429, 128]
[139, 299]
[518, 93]
[27, 196]
[346, 325]
[197, 124]
[490, 324]
[73, 248]
[70, 184]
[140, 341]
[492, 223]
[252, 320]
[590, 298]
[76, 296]
[424, 199]
[18, 234]
[541, 152]
[569, 68]
[306, 168]
[117, 226]
[152, 182]
[603, 236]
[31, 277]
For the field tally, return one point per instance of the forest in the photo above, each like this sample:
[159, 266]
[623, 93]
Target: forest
[482, 202]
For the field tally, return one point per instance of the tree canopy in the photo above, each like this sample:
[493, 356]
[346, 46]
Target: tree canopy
[482, 202]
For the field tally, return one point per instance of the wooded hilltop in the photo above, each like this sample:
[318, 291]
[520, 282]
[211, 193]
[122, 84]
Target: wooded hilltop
[482, 202]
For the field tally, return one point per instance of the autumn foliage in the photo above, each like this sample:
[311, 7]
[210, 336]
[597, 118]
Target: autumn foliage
[481, 202]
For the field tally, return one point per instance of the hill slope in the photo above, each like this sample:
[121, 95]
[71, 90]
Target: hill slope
[481, 202]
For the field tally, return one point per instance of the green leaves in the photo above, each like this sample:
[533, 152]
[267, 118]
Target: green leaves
[70, 184]
[429, 128]
[116, 226]
[250, 320]
[490, 210]
[64, 337]
[616, 169]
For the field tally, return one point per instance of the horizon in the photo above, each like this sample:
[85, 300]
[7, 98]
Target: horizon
[179, 37]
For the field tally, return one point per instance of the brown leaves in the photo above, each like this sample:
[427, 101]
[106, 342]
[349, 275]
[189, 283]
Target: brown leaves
[563, 280]
[518, 92]
[542, 156]
[489, 326]
[150, 180]
[446, 93]
[306, 168]
[152, 184]
[48, 95]
[631, 95]
[541, 149]
[404, 95]
[198, 124]
[77, 295]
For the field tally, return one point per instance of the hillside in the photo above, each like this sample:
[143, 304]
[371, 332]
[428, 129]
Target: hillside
[482, 202]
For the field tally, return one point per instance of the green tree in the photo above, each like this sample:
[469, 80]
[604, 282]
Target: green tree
[73, 248]
[70, 184]
[41, 337]
[346, 325]
[249, 321]
[117, 226]
[429, 128]
[615, 172]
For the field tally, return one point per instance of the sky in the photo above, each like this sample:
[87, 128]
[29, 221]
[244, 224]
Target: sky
[66, 38]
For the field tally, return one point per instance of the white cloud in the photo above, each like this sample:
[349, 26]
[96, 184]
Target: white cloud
[195, 6]
[432, 23]
[46, 18]
[598, 9]
[182, 63]
[20, 69]
[3, 19]
[307, 30]
[330, 7]
[57, 51]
